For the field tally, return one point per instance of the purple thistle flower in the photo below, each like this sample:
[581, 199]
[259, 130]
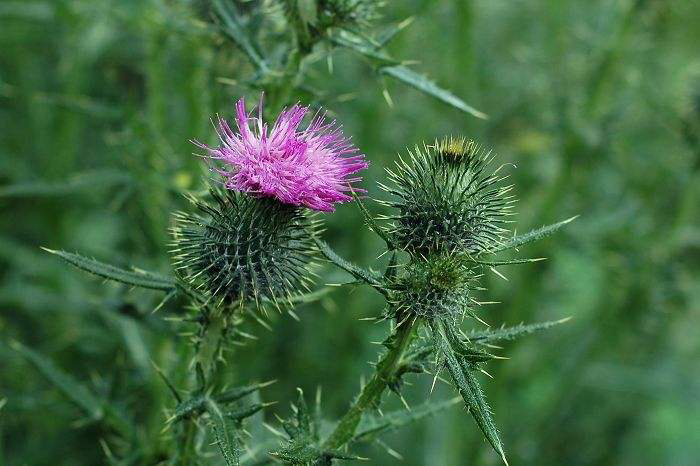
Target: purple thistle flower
[309, 167]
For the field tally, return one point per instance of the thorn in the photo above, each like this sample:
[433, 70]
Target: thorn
[503, 457]
[493, 269]
[387, 97]
[405, 403]
[273, 430]
[432, 387]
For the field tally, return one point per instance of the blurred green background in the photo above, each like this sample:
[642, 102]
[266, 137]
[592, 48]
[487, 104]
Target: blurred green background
[596, 102]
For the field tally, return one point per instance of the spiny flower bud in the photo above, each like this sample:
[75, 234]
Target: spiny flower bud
[438, 286]
[447, 200]
[243, 248]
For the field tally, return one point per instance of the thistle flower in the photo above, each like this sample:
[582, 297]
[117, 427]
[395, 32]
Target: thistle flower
[309, 167]
[243, 248]
[446, 200]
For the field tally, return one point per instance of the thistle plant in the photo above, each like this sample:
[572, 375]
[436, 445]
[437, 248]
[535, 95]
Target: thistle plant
[251, 242]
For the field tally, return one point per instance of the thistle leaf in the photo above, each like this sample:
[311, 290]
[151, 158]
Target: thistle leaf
[533, 235]
[374, 426]
[372, 223]
[225, 434]
[467, 385]
[390, 32]
[75, 391]
[427, 86]
[140, 279]
[364, 48]
[510, 333]
[191, 407]
[510, 262]
[237, 393]
[354, 270]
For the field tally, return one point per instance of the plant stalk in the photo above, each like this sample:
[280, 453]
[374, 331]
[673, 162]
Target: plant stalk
[370, 394]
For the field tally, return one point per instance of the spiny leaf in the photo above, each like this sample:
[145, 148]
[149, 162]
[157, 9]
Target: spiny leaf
[190, 407]
[71, 388]
[531, 236]
[236, 393]
[363, 47]
[225, 434]
[247, 411]
[510, 333]
[510, 262]
[391, 67]
[390, 32]
[372, 223]
[374, 426]
[463, 377]
[141, 279]
[354, 270]
[427, 86]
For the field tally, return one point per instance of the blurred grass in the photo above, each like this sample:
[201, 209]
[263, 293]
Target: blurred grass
[597, 103]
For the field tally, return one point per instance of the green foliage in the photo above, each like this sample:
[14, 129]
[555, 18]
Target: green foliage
[302, 446]
[225, 435]
[71, 388]
[139, 278]
[595, 102]
[510, 333]
[374, 426]
[462, 372]
[530, 236]
[77, 183]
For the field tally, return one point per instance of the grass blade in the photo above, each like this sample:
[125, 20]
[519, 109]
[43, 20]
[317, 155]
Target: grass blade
[76, 392]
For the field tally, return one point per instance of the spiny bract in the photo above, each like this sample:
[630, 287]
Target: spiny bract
[447, 200]
[433, 287]
[245, 248]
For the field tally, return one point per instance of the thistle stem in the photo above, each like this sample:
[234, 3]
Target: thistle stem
[210, 337]
[370, 394]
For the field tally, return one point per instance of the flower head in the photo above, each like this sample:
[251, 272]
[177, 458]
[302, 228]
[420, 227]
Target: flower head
[309, 167]
[446, 199]
[242, 249]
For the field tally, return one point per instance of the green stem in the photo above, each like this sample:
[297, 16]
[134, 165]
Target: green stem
[370, 394]
[206, 353]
